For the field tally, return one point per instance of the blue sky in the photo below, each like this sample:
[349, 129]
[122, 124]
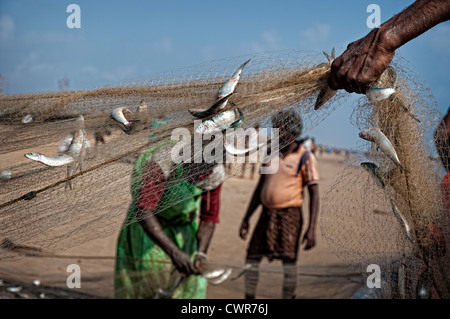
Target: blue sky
[124, 40]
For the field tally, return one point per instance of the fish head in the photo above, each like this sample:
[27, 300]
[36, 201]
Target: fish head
[142, 106]
[27, 119]
[366, 135]
[201, 129]
[34, 156]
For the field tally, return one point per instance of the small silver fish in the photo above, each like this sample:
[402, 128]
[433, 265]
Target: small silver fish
[27, 119]
[14, 289]
[377, 94]
[243, 270]
[229, 86]
[142, 107]
[216, 107]
[383, 87]
[73, 157]
[77, 150]
[231, 149]
[213, 274]
[59, 160]
[65, 143]
[387, 79]
[220, 122]
[223, 277]
[374, 135]
[403, 222]
[326, 93]
[118, 115]
[373, 169]
[169, 292]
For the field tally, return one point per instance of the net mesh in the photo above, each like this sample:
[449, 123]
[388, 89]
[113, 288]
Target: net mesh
[38, 210]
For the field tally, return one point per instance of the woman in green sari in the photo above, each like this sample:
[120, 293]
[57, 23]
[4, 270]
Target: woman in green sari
[161, 246]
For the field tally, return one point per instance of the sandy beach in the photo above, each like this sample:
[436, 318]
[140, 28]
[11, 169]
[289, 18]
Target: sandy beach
[321, 273]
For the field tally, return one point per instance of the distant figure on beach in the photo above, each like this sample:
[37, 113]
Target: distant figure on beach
[365, 59]
[100, 136]
[309, 143]
[277, 233]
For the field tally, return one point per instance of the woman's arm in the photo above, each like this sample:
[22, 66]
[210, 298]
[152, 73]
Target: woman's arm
[153, 185]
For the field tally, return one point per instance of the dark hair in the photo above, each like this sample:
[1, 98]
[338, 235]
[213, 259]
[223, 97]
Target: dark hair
[290, 121]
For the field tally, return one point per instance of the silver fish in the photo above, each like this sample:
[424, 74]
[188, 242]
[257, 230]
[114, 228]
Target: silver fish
[402, 220]
[376, 136]
[231, 149]
[378, 94]
[387, 79]
[218, 123]
[383, 87]
[14, 289]
[27, 119]
[242, 271]
[65, 144]
[229, 86]
[223, 277]
[326, 93]
[118, 115]
[216, 107]
[167, 293]
[142, 107]
[73, 157]
[213, 274]
[59, 160]
[77, 150]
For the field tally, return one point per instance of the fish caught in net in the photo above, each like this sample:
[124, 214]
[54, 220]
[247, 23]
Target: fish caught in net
[387, 208]
[63, 185]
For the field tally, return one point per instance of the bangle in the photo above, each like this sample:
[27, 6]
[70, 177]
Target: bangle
[199, 253]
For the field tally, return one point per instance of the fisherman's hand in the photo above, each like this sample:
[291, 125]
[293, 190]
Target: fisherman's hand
[362, 63]
[243, 231]
[199, 260]
[310, 240]
[183, 263]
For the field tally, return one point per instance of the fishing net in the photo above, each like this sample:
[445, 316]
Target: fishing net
[358, 221]
[40, 212]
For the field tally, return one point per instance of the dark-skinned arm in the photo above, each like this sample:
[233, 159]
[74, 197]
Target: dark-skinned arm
[151, 193]
[310, 235]
[209, 217]
[365, 59]
[253, 205]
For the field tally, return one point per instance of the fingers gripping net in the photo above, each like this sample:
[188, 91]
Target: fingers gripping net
[358, 221]
[38, 209]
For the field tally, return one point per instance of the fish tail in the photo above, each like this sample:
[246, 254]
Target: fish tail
[404, 168]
